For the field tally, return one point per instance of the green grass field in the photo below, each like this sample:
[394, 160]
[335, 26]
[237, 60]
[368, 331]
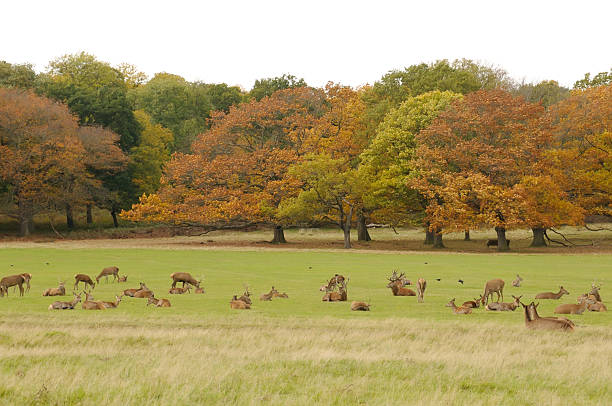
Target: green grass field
[300, 350]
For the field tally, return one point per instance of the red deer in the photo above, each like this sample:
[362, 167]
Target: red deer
[551, 295]
[122, 279]
[13, 280]
[333, 282]
[78, 278]
[421, 285]
[595, 292]
[158, 302]
[472, 303]
[493, 286]
[26, 278]
[397, 286]
[460, 309]
[143, 293]
[199, 291]
[504, 307]
[246, 296]
[517, 282]
[130, 292]
[340, 296]
[65, 305]
[533, 312]
[59, 291]
[179, 291]
[90, 304]
[533, 321]
[574, 308]
[106, 272]
[360, 306]
[113, 305]
[184, 277]
[268, 296]
[239, 304]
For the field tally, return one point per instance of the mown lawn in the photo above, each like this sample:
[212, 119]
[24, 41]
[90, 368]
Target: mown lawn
[300, 350]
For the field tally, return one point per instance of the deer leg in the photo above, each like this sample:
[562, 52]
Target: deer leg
[174, 284]
[20, 290]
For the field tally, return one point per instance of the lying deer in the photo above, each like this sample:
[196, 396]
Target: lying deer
[533, 314]
[472, 303]
[246, 296]
[78, 278]
[144, 292]
[268, 296]
[493, 286]
[122, 279]
[65, 305]
[551, 295]
[106, 272]
[595, 292]
[460, 309]
[517, 282]
[90, 304]
[59, 291]
[179, 291]
[360, 306]
[504, 307]
[596, 306]
[340, 296]
[113, 305]
[12, 280]
[239, 304]
[199, 291]
[398, 289]
[533, 320]
[184, 277]
[158, 302]
[574, 308]
[421, 285]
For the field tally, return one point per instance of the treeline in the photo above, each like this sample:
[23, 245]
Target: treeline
[449, 145]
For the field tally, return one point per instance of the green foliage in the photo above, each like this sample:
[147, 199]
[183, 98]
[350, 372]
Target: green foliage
[94, 91]
[176, 104]
[601, 79]
[388, 161]
[547, 92]
[148, 158]
[223, 96]
[265, 87]
[22, 76]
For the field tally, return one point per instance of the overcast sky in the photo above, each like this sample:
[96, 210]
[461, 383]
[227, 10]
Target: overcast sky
[350, 42]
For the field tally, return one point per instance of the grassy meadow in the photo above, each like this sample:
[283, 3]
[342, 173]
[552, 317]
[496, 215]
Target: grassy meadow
[301, 350]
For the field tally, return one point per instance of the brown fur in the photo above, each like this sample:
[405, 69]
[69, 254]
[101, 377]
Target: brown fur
[12, 280]
[504, 307]
[239, 304]
[551, 295]
[65, 305]
[78, 278]
[59, 291]
[158, 302]
[493, 286]
[421, 285]
[184, 277]
[533, 321]
[106, 272]
[360, 306]
[458, 309]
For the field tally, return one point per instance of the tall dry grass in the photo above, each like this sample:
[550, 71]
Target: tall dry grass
[247, 359]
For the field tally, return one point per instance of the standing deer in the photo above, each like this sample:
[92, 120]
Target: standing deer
[517, 282]
[13, 280]
[460, 309]
[551, 295]
[360, 306]
[184, 277]
[239, 304]
[113, 305]
[26, 278]
[78, 278]
[472, 303]
[59, 291]
[533, 320]
[158, 302]
[90, 304]
[65, 305]
[106, 272]
[421, 285]
[493, 286]
[504, 307]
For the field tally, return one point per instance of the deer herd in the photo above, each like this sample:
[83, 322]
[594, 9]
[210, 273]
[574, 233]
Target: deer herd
[335, 290]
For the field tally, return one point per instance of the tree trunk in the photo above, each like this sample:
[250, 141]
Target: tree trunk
[69, 217]
[89, 216]
[438, 239]
[31, 224]
[429, 235]
[346, 228]
[24, 227]
[362, 229]
[467, 236]
[114, 214]
[538, 237]
[502, 243]
[279, 235]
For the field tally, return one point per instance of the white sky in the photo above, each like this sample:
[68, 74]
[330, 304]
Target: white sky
[350, 42]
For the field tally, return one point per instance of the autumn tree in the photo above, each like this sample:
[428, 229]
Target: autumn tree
[601, 79]
[42, 156]
[388, 161]
[472, 157]
[547, 92]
